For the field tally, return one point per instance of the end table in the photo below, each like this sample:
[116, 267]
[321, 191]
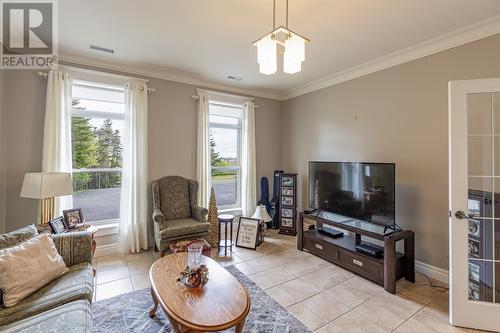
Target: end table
[225, 219]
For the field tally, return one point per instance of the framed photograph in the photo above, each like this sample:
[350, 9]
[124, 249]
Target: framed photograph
[287, 212]
[287, 181]
[474, 271]
[286, 201]
[474, 228]
[474, 251]
[73, 217]
[286, 222]
[58, 226]
[247, 233]
[473, 291]
[287, 191]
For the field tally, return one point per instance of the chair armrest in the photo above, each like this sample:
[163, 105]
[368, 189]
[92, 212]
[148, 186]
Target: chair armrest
[74, 247]
[199, 213]
[159, 218]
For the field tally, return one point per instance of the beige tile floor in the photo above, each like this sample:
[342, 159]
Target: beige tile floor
[325, 297]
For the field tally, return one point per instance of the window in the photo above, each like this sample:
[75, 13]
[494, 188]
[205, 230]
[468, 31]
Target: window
[225, 153]
[98, 113]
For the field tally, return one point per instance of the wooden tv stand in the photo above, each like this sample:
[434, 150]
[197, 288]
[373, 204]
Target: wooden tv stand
[384, 270]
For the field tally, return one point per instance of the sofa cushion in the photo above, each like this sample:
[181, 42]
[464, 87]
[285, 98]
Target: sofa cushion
[74, 317]
[17, 236]
[182, 227]
[27, 267]
[76, 284]
[174, 197]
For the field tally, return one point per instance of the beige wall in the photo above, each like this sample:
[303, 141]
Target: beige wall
[172, 135]
[172, 131]
[24, 103]
[396, 115]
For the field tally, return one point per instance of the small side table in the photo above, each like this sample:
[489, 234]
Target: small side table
[225, 219]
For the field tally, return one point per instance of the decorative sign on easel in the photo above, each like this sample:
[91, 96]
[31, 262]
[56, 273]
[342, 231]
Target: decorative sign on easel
[247, 233]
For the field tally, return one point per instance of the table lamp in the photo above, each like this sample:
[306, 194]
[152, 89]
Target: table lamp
[46, 186]
[261, 214]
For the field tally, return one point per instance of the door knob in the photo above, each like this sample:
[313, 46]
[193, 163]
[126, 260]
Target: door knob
[462, 216]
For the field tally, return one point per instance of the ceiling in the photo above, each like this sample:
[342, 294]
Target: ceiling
[211, 39]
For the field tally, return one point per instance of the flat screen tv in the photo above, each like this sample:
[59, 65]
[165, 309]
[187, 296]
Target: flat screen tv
[356, 190]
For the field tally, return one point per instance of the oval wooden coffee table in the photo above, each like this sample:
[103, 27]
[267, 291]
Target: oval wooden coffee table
[222, 303]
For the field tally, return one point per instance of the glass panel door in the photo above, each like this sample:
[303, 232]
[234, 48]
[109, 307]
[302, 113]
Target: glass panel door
[474, 203]
[483, 142]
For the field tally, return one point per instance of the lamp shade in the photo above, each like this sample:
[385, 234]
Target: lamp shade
[261, 214]
[43, 185]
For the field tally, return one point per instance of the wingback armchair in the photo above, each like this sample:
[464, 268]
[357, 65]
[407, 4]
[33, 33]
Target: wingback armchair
[176, 214]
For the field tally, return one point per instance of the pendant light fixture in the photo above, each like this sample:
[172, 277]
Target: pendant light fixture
[293, 43]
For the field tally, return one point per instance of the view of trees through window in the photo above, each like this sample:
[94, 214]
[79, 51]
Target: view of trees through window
[96, 130]
[225, 141]
[219, 162]
[95, 147]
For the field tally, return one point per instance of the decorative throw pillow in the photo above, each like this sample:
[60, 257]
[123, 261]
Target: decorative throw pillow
[27, 267]
[17, 236]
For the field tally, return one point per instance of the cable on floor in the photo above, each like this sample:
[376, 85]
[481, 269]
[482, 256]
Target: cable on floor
[436, 287]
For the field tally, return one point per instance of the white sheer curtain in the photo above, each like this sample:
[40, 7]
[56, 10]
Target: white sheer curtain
[133, 205]
[249, 177]
[202, 151]
[57, 131]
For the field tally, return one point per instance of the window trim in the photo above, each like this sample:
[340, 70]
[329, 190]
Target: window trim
[97, 114]
[222, 101]
[224, 98]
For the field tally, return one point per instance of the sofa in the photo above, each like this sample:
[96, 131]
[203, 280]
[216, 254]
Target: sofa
[64, 305]
[176, 214]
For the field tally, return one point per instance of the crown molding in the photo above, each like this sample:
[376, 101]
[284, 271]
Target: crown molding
[470, 33]
[162, 73]
[473, 32]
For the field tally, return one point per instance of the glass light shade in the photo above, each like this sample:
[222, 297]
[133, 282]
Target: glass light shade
[291, 67]
[266, 55]
[294, 54]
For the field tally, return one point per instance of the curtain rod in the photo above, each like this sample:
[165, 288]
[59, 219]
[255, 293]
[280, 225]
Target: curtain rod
[46, 76]
[196, 97]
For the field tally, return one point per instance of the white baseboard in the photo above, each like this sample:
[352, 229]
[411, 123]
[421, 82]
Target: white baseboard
[105, 250]
[433, 272]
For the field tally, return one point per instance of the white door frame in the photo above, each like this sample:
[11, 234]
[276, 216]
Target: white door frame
[463, 312]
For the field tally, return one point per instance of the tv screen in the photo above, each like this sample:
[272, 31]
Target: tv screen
[357, 190]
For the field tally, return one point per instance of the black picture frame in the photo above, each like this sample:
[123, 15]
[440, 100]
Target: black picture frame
[252, 244]
[286, 201]
[58, 226]
[286, 222]
[287, 190]
[72, 221]
[287, 212]
[287, 181]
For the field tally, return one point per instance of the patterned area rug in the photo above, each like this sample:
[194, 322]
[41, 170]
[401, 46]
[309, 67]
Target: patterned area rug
[129, 313]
